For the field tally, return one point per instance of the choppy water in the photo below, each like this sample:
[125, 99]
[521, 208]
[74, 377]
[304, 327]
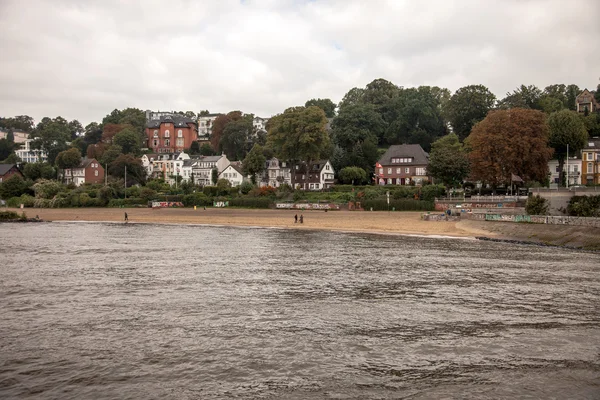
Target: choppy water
[114, 311]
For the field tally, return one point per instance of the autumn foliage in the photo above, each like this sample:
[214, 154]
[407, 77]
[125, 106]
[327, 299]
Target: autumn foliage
[218, 127]
[110, 130]
[507, 142]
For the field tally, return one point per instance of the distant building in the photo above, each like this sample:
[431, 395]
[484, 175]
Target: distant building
[260, 124]
[574, 168]
[171, 133]
[20, 136]
[203, 166]
[205, 124]
[233, 173]
[320, 175]
[168, 166]
[276, 173]
[586, 101]
[402, 164]
[590, 162]
[8, 170]
[88, 171]
[29, 155]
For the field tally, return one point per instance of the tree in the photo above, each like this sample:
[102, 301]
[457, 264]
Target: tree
[93, 133]
[75, 129]
[129, 141]
[81, 144]
[536, 205]
[235, 137]
[354, 96]
[522, 97]
[510, 142]
[218, 127]
[14, 186]
[597, 94]
[326, 105]
[566, 129]
[353, 175]
[203, 113]
[469, 105]
[379, 92]
[214, 176]
[299, 134]
[254, 163]
[136, 174]
[35, 171]
[6, 148]
[111, 154]
[68, 159]
[10, 136]
[109, 131]
[194, 147]
[12, 159]
[52, 136]
[448, 161]
[206, 150]
[20, 122]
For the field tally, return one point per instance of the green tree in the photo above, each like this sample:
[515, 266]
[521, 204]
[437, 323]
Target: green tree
[522, 97]
[235, 137]
[10, 136]
[326, 105]
[354, 96]
[510, 142]
[52, 136]
[299, 134]
[566, 129]
[68, 159]
[6, 148]
[469, 105]
[536, 205]
[80, 144]
[12, 159]
[92, 133]
[75, 129]
[254, 163]
[21, 122]
[136, 174]
[214, 176]
[353, 175]
[129, 141]
[14, 186]
[448, 161]
[111, 154]
[206, 150]
[35, 171]
[194, 147]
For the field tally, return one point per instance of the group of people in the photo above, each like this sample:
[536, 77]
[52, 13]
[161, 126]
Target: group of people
[301, 218]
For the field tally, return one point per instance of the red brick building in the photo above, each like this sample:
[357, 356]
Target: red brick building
[171, 133]
[403, 164]
[8, 170]
[89, 171]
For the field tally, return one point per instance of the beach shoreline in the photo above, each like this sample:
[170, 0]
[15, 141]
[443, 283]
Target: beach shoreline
[372, 222]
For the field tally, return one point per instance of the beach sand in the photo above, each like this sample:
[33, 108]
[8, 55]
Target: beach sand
[347, 221]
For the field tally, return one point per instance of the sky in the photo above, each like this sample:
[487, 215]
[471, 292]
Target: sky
[82, 59]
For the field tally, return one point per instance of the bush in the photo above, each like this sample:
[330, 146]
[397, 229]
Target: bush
[430, 192]
[584, 206]
[11, 216]
[536, 205]
[210, 191]
[134, 201]
[148, 194]
[404, 192]
[14, 186]
[399, 205]
[246, 187]
[47, 189]
[196, 199]
[25, 199]
[250, 202]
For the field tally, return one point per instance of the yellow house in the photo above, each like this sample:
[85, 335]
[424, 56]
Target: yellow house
[590, 162]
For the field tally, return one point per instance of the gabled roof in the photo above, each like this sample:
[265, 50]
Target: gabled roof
[179, 121]
[237, 165]
[85, 162]
[592, 143]
[414, 151]
[315, 166]
[4, 168]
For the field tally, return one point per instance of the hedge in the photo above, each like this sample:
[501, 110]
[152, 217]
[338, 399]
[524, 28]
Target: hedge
[134, 201]
[196, 199]
[250, 202]
[399, 205]
[25, 199]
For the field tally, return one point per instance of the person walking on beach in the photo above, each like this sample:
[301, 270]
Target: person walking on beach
[301, 219]
[296, 218]
[126, 218]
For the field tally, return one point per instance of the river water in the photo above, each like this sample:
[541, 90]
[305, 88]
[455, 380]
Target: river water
[118, 311]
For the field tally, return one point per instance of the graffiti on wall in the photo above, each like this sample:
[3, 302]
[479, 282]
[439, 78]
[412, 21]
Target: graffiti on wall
[308, 206]
[166, 204]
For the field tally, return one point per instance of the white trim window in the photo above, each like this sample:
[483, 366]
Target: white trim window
[179, 133]
[167, 133]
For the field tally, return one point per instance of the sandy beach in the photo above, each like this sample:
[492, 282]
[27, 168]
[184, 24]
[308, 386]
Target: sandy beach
[348, 221]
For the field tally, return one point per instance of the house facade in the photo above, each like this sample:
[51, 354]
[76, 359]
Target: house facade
[260, 124]
[171, 133]
[203, 166]
[19, 136]
[276, 173]
[590, 159]
[88, 171]
[233, 173]
[29, 155]
[8, 170]
[586, 101]
[318, 176]
[573, 168]
[403, 164]
[169, 167]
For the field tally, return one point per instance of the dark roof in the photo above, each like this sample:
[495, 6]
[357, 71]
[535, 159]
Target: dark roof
[4, 168]
[210, 115]
[315, 166]
[237, 165]
[419, 156]
[175, 119]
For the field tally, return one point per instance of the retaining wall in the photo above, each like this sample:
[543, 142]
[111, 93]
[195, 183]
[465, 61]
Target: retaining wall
[538, 219]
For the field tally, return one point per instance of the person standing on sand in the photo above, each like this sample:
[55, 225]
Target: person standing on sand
[126, 218]
[301, 218]
[296, 218]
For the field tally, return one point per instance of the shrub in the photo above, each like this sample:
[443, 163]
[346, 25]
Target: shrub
[9, 216]
[399, 205]
[133, 201]
[147, 193]
[584, 206]
[210, 191]
[246, 187]
[196, 199]
[430, 192]
[250, 202]
[25, 199]
[47, 189]
[536, 205]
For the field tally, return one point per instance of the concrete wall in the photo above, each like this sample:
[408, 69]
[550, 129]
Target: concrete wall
[538, 219]
[558, 199]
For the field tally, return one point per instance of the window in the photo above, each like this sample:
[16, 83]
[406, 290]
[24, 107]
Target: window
[167, 142]
[590, 168]
[389, 170]
[575, 168]
[179, 142]
[381, 170]
[389, 181]
[179, 133]
[155, 133]
[407, 170]
[96, 173]
[167, 133]
[155, 143]
[421, 171]
[398, 170]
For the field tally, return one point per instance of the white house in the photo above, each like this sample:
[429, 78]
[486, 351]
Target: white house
[205, 123]
[260, 124]
[28, 155]
[203, 166]
[320, 175]
[574, 171]
[168, 166]
[233, 173]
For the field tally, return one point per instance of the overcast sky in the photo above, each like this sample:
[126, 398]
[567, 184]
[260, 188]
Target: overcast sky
[82, 59]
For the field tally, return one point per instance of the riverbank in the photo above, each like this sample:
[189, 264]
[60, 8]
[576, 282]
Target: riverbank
[349, 221]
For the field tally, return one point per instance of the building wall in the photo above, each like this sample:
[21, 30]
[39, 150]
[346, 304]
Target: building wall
[11, 172]
[94, 173]
[175, 143]
[590, 167]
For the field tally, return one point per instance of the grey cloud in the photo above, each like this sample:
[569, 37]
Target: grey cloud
[81, 59]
